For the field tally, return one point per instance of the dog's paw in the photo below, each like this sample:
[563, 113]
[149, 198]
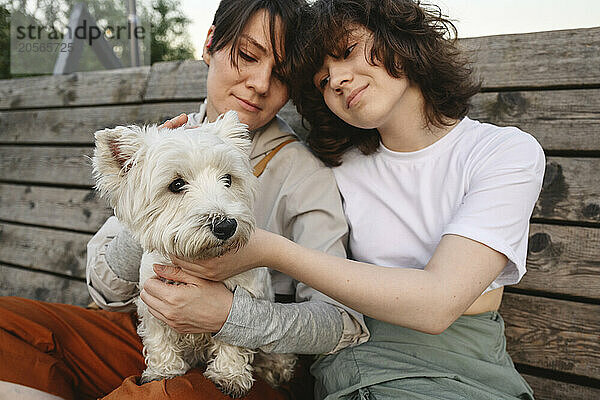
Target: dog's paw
[151, 375]
[148, 376]
[275, 369]
[234, 385]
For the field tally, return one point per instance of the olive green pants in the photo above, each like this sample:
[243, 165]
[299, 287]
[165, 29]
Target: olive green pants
[467, 361]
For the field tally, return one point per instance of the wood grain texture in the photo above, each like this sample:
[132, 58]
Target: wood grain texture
[75, 209]
[563, 260]
[548, 389]
[559, 119]
[126, 85]
[553, 334]
[77, 125]
[41, 286]
[177, 80]
[543, 59]
[44, 249]
[56, 165]
[570, 191]
[533, 60]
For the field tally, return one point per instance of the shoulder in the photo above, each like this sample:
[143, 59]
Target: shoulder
[353, 162]
[505, 145]
[505, 138]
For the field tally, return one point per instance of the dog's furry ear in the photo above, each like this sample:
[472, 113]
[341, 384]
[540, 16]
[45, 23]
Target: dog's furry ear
[228, 127]
[114, 155]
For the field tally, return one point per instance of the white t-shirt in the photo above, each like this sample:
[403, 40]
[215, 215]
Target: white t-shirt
[479, 181]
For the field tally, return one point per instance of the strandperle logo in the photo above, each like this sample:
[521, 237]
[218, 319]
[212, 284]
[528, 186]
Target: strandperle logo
[85, 42]
[83, 32]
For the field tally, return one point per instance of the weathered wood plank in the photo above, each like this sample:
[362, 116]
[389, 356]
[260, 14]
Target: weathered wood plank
[125, 85]
[563, 260]
[41, 286]
[177, 80]
[571, 190]
[553, 334]
[77, 125]
[556, 58]
[538, 59]
[548, 389]
[523, 60]
[44, 249]
[57, 165]
[76, 209]
[559, 119]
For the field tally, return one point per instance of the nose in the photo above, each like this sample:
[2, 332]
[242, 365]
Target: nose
[224, 229]
[259, 78]
[338, 77]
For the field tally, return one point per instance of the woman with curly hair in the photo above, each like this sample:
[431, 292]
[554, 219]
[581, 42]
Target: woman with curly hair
[438, 206]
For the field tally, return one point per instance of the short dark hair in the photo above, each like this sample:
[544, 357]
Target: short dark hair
[233, 15]
[409, 39]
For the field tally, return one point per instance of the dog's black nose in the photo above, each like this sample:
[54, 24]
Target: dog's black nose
[225, 228]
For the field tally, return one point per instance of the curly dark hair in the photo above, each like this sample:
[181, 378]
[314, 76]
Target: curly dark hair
[410, 39]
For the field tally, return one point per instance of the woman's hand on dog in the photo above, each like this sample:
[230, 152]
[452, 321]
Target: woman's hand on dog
[177, 304]
[176, 122]
[254, 254]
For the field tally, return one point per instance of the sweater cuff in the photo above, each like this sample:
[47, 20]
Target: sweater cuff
[124, 255]
[310, 327]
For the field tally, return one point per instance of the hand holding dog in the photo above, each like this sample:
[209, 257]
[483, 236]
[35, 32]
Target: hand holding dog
[177, 305]
[254, 254]
[176, 122]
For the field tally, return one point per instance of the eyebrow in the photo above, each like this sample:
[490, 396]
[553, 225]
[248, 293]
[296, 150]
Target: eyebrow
[255, 43]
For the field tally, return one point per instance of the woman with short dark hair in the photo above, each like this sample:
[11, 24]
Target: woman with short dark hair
[76, 353]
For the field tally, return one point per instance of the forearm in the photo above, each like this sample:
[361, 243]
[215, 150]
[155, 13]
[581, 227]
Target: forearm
[112, 284]
[426, 300]
[311, 327]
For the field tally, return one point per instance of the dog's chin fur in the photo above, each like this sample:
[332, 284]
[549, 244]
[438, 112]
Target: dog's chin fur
[134, 169]
[202, 245]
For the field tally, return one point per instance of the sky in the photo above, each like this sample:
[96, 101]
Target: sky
[472, 17]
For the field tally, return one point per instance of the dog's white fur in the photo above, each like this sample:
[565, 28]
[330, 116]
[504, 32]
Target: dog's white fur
[134, 168]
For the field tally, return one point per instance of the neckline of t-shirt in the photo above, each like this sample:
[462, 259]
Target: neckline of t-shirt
[433, 149]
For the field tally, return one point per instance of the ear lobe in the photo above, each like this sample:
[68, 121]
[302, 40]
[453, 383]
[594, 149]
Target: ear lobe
[229, 128]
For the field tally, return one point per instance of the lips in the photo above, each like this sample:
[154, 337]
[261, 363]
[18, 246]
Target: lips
[355, 96]
[248, 105]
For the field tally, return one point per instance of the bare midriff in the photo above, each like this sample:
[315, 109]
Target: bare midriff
[489, 301]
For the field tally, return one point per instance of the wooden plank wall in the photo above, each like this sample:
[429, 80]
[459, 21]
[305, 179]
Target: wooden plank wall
[546, 83]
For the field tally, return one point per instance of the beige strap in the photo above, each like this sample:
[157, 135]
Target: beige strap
[262, 164]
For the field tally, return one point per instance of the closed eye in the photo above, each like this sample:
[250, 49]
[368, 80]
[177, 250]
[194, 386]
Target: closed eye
[349, 51]
[246, 56]
[226, 179]
[323, 82]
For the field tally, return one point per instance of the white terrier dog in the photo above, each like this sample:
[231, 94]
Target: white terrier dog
[190, 193]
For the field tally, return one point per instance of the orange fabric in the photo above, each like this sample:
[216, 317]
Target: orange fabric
[79, 353]
[189, 386]
[262, 164]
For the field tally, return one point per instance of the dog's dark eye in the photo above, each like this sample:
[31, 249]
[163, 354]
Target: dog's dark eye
[226, 179]
[177, 185]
